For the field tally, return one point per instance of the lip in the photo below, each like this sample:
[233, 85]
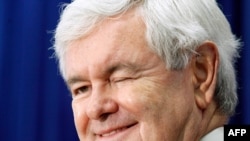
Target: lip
[115, 133]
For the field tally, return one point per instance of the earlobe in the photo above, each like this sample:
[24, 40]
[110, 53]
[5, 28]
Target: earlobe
[205, 67]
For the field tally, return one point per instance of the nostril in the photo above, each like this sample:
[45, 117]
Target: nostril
[99, 108]
[104, 116]
[110, 108]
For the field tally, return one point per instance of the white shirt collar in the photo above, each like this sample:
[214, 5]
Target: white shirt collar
[215, 135]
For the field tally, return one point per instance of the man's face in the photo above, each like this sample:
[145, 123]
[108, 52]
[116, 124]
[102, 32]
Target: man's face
[122, 90]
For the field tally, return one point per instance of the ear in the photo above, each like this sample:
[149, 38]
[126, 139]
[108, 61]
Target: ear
[205, 67]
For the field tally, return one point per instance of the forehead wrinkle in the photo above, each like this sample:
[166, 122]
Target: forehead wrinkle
[124, 36]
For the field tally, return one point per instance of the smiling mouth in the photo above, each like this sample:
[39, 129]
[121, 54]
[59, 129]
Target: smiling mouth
[113, 132]
[116, 131]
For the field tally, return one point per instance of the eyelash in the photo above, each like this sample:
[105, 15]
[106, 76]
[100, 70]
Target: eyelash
[81, 90]
[121, 79]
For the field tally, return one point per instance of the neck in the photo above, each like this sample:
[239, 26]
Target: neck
[216, 121]
[212, 119]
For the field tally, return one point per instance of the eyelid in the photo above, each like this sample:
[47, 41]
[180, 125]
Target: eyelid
[119, 79]
[81, 89]
[124, 75]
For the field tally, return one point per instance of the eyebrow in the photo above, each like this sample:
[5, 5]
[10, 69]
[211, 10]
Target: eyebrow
[126, 66]
[110, 70]
[73, 80]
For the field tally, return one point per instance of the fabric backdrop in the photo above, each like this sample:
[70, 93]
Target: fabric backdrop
[34, 102]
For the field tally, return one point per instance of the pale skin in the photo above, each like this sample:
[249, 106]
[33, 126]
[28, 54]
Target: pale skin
[122, 90]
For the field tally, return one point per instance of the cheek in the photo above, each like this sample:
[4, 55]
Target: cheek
[160, 107]
[80, 118]
[143, 98]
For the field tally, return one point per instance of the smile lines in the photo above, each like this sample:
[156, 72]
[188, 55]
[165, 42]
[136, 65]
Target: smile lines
[113, 132]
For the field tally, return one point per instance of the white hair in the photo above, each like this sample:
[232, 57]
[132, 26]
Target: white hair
[174, 29]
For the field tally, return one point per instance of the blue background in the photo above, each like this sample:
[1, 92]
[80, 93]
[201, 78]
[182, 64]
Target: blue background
[34, 102]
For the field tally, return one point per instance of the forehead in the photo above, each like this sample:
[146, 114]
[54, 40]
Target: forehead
[113, 40]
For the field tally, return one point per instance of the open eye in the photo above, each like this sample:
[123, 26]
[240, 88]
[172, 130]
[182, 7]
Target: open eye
[81, 90]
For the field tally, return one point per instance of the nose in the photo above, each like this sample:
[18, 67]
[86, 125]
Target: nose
[101, 104]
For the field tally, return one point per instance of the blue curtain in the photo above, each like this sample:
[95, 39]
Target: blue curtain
[34, 102]
[238, 13]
